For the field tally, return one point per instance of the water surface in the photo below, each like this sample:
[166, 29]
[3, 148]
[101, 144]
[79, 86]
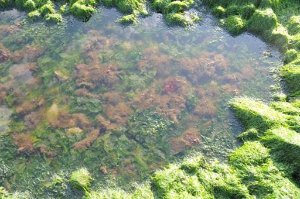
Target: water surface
[121, 101]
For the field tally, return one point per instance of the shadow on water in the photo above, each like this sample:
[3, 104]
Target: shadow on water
[121, 101]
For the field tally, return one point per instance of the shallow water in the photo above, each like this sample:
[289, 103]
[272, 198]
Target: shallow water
[121, 101]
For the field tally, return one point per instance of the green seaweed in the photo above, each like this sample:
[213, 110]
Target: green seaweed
[255, 114]
[291, 73]
[81, 179]
[262, 21]
[234, 24]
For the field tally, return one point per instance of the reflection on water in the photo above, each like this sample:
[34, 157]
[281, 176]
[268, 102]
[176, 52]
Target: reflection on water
[121, 101]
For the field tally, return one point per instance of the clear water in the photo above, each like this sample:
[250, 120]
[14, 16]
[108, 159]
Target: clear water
[120, 101]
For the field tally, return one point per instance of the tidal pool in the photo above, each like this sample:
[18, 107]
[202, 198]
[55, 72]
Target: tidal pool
[120, 101]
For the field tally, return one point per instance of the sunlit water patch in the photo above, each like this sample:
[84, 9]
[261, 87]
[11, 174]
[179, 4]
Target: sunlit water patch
[121, 101]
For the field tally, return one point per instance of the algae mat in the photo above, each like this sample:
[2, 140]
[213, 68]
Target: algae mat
[120, 101]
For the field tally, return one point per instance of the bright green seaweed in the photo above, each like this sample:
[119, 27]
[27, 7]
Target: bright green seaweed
[53, 11]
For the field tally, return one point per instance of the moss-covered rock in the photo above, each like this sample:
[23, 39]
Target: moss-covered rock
[142, 192]
[181, 19]
[175, 183]
[286, 108]
[234, 24]
[254, 167]
[176, 6]
[128, 19]
[81, 179]
[284, 145]
[82, 11]
[249, 135]
[262, 21]
[251, 153]
[48, 8]
[291, 74]
[34, 15]
[280, 97]
[290, 55]
[53, 18]
[219, 11]
[254, 114]
[279, 37]
[294, 25]
[129, 6]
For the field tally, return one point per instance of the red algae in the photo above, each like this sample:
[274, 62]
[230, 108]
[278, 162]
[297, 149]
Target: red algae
[118, 114]
[168, 104]
[27, 53]
[188, 139]
[91, 76]
[23, 141]
[4, 54]
[88, 140]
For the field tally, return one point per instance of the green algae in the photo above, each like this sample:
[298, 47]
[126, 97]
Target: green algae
[255, 114]
[226, 184]
[294, 25]
[234, 24]
[290, 73]
[84, 9]
[262, 21]
[81, 179]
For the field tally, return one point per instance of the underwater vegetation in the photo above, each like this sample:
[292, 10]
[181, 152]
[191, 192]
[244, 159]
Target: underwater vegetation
[112, 109]
[175, 12]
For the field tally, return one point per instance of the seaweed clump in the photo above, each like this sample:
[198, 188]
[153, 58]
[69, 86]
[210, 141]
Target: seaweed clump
[52, 11]
[250, 173]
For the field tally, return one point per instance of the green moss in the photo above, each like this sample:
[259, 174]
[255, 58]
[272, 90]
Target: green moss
[175, 183]
[55, 18]
[290, 55]
[129, 6]
[262, 21]
[294, 25]
[251, 134]
[219, 11]
[246, 11]
[255, 168]
[222, 181]
[6, 3]
[160, 5]
[81, 179]
[251, 153]
[286, 108]
[291, 74]
[63, 9]
[34, 15]
[279, 37]
[295, 42]
[48, 8]
[191, 165]
[178, 19]
[280, 97]
[29, 5]
[128, 19]
[176, 6]
[254, 114]
[108, 3]
[234, 24]
[109, 193]
[284, 145]
[82, 11]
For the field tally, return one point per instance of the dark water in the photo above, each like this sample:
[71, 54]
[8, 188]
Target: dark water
[121, 101]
